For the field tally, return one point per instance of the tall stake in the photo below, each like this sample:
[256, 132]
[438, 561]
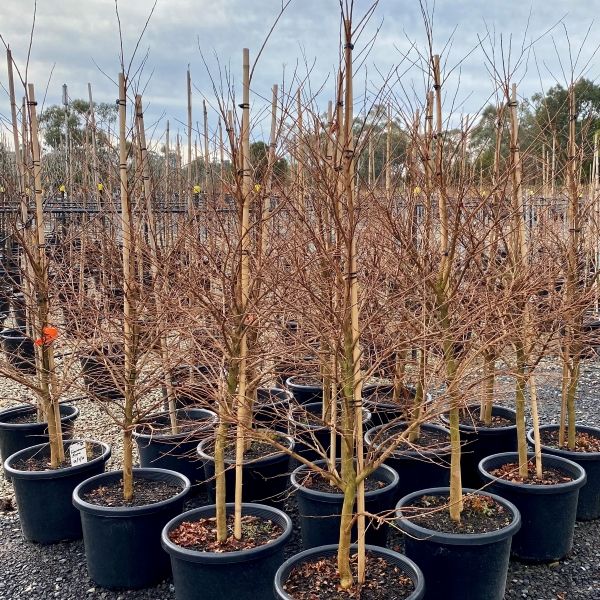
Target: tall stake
[50, 402]
[207, 173]
[128, 306]
[189, 140]
[243, 412]
[519, 251]
[152, 235]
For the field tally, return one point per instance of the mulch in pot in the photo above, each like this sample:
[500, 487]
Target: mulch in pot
[427, 440]
[550, 475]
[145, 491]
[21, 418]
[201, 535]
[481, 514]
[319, 483]
[584, 441]
[319, 580]
[473, 420]
[257, 450]
[41, 460]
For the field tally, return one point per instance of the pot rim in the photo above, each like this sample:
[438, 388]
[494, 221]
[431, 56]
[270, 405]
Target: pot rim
[301, 386]
[210, 420]
[54, 473]
[483, 428]
[533, 488]
[407, 453]
[457, 539]
[231, 461]
[289, 397]
[128, 511]
[418, 579]
[367, 417]
[565, 453]
[335, 497]
[30, 407]
[196, 556]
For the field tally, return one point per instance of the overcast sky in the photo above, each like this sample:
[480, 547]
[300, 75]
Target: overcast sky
[75, 40]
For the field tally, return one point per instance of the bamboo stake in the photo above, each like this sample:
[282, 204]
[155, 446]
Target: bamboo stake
[51, 406]
[189, 139]
[519, 251]
[571, 351]
[388, 156]
[207, 169]
[243, 413]
[152, 235]
[442, 292]
[128, 305]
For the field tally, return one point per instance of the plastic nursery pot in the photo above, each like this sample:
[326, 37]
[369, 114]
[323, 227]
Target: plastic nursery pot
[97, 372]
[19, 349]
[161, 449]
[320, 511]
[19, 310]
[16, 435]
[455, 566]
[379, 399]
[272, 407]
[313, 437]
[479, 442]
[588, 505]
[305, 388]
[417, 469]
[265, 479]
[195, 384]
[404, 564]
[547, 511]
[243, 575]
[122, 543]
[43, 498]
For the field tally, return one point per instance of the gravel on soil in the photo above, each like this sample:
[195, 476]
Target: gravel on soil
[35, 572]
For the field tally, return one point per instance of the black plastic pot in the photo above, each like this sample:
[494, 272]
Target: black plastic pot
[459, 566]
[161, 449]
[44, 498]
[272, 408]
[17, 436]
[195, 385]
[241, 575]
[5, 294]
[417, 469]
[403, 563]
[547, 511]
[96, 367]
[379, 400]
[479, 442]
[303, 393]
[19, 310]
[588, 505]
[19, 349]
[265, 479]
[122, 544]
[320, 511]
[313, 438]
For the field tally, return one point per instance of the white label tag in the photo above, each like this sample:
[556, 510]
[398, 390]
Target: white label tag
[78, 454]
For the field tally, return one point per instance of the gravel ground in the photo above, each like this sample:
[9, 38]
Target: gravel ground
[33, 572]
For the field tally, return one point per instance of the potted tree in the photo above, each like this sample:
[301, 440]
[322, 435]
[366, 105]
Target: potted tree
[234, 548]
[123, 512]
[43, 474]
